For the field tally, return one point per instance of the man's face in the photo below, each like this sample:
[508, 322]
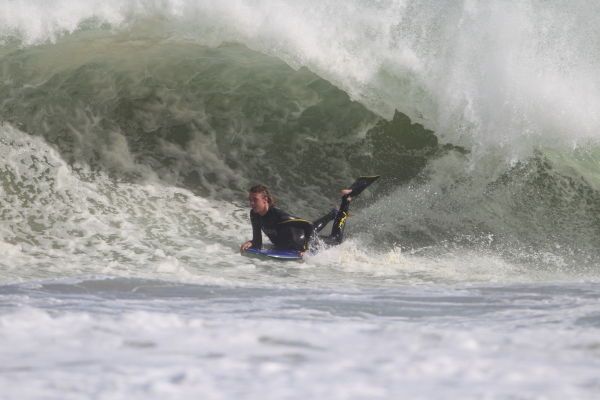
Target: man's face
[258, 203]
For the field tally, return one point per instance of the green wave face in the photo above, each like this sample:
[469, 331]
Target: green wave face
[213, 120]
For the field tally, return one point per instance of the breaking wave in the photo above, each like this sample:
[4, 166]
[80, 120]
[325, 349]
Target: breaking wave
[130, 132]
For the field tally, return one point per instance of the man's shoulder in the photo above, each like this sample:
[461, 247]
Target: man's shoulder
[279, 213]
[274, 215]
[274, 212]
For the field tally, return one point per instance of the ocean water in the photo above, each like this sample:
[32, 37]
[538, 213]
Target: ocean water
[130, 132]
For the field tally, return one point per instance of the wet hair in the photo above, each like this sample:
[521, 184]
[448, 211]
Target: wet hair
[262, 189]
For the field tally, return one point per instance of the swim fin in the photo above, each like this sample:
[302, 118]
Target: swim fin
[361, 184]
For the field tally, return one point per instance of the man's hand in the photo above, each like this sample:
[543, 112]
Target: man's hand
[245, 246]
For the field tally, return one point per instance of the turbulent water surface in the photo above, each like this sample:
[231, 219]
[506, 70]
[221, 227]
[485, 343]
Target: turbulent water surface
[130, 132]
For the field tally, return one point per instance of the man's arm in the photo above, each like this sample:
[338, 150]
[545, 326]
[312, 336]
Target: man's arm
[256, 241]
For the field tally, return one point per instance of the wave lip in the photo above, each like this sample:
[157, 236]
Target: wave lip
[481, 75]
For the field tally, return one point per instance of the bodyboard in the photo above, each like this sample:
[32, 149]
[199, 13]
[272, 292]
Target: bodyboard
[282, 255]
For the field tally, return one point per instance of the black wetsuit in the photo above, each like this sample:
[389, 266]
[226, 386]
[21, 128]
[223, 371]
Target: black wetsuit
[291, 233]
[285, 231]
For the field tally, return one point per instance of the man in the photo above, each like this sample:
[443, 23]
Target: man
[287, 232]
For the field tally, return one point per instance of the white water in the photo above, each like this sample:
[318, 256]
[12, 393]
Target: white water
[136, 291]
[151, 339]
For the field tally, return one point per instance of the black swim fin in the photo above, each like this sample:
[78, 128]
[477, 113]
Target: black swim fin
[361, 184]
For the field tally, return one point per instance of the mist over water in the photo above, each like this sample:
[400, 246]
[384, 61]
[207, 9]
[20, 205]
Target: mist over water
[467, 67]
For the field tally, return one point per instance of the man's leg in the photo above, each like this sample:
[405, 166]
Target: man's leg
[337, 231]
[320, 223]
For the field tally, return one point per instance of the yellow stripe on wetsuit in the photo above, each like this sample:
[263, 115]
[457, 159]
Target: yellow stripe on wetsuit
[295, 220]
[343, 220]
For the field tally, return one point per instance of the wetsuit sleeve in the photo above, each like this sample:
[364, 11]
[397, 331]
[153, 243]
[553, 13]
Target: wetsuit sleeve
[256, 232]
